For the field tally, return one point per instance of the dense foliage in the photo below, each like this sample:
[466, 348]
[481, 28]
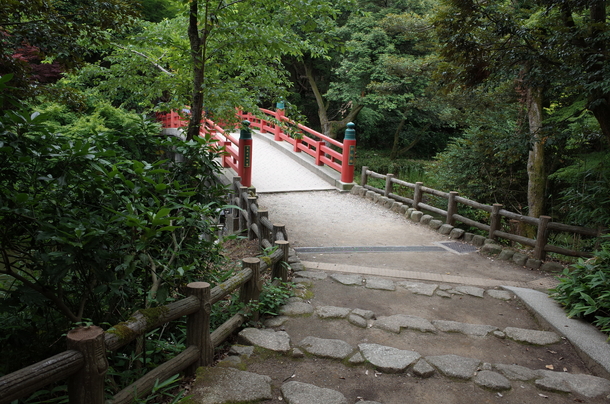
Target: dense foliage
[97, 221]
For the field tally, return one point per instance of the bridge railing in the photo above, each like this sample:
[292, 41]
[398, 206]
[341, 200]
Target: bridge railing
[496, 214]
[85, 361]
[319, 146]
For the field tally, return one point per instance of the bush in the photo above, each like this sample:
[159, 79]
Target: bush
[584, 289]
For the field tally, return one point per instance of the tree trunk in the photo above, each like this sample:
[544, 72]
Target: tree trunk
[535, 164]
[198, 54]
[329, 127]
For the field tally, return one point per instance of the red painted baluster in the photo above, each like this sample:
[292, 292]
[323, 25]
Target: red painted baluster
[245, 155]
[349, 154]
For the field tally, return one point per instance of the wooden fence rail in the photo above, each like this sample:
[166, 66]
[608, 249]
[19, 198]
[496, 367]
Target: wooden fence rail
[85, 362]
[495, 211]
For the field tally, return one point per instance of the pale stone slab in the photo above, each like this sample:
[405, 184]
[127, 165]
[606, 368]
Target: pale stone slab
[388, 359]
[492, 381]
[426, 289]
[397, 321]
[454, 366]
[332, 312]
[219, 385]
[303, 393]
[326, 348]
[478, 330]
[347, 279]
[533, 337]
[278, 341]
[380, 284]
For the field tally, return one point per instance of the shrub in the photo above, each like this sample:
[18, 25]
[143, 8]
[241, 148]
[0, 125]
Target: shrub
[584, 289]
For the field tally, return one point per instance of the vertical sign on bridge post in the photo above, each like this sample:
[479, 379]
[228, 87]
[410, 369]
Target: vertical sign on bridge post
[349, 154]
[245, 154]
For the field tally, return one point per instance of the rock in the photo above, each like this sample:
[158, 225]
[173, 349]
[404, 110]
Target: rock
[366, 314]
[532, 263]
[355, 190]
[296, 309]
[516, 372]
[478, 240]
[356, 359]
[297, 353]
[533, 337]
[426, 289]
[499, 334]
[277, 341]
[388, 359]
[456, 233]
[317, 275]
[454, 366]
[397, 321]
[219, 385]
[370, 195]
[470, 290]
[468, 237]
[551, 266]
[416, 215]
[294, 299]
[444, 294]
[425, 219]
[302, 281]
[357, 320]
[275, 321]
[241, 350]
[491, 249]
[408, 212]
[477, 330]
[293, 259]
[380, 284]
[435, 224]
[403, 209]
[445, 229]
[519, 258]
[332, 312]
[499, 294]
[586, 385]
[396, 207]
[492, 381]
[303, 393]
[347, 279]
[506, 254]
[423, 369]
[230, 361]
[326, 348]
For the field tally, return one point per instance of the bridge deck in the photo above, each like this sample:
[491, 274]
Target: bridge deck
[275, 168]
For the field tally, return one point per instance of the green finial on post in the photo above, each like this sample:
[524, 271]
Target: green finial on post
[280, 104]
[350, 132]
[245, 132]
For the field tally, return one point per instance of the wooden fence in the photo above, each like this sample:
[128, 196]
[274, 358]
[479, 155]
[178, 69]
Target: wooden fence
[85, 362]
[496, 213]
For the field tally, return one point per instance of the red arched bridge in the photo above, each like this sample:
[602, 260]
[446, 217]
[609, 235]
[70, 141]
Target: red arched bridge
[324, 151]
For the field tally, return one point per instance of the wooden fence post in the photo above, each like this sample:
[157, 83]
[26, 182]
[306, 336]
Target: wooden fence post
[278, 228]
[494, 220]
[252, 200]
[262, 229]
[388, 185]
[243, 204]
[541, 237]
[235, 214]
[279, 269]
[363, 177]
[417, 195]
[251, 290]
[87, 385]
[198, 326]
[452, 208]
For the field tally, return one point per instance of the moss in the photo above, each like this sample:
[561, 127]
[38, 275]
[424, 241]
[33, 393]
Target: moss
[123, 332]
[153, 315]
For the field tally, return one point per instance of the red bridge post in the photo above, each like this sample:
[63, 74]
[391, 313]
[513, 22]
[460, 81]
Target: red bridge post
[349, 154]
[245, 154]
[279, 114]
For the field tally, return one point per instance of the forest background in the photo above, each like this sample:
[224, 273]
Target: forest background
[506, 102]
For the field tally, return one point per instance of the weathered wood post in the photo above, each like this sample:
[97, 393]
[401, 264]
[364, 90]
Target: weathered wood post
[251, 290]
[245, 154]
[281, 229]
[243, 204]
[252, 200]
[363, 177]
[348, 159]
[262, 229]
[495, 220]
[452, 207]
[87, 385]
[388, 185]
[198, 326]
[279, 269]
[417, 195]
[541, 237]
[235, 213]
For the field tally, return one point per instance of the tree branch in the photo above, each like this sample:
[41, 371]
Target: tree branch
[158, 66]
